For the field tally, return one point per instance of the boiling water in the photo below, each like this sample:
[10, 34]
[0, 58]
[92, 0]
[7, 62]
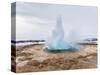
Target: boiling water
[58, 42]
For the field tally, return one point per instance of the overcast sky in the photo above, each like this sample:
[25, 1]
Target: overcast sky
[37, 20]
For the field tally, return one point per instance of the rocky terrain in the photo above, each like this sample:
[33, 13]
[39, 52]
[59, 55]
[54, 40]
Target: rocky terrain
[34, 58]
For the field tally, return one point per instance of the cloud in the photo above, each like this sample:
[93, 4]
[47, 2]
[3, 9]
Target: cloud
[32, 28]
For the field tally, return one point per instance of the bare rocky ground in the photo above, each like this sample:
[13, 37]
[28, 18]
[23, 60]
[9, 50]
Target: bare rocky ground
[34, 58]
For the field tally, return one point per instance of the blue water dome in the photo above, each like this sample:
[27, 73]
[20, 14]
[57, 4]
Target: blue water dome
[58, 43]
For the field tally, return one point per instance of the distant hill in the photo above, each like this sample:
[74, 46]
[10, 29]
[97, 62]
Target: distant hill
[26, 41]
[91, 39]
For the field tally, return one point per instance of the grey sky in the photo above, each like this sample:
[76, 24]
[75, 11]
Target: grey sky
[37, 20]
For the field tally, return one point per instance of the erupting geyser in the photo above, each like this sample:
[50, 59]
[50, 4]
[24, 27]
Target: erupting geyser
[58, 43]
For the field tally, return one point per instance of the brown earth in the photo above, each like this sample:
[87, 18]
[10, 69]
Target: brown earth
[37, 58]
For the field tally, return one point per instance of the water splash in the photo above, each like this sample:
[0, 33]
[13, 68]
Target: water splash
[58, 42]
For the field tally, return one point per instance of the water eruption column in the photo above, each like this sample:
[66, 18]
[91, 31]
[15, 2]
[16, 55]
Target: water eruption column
[58, 42]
